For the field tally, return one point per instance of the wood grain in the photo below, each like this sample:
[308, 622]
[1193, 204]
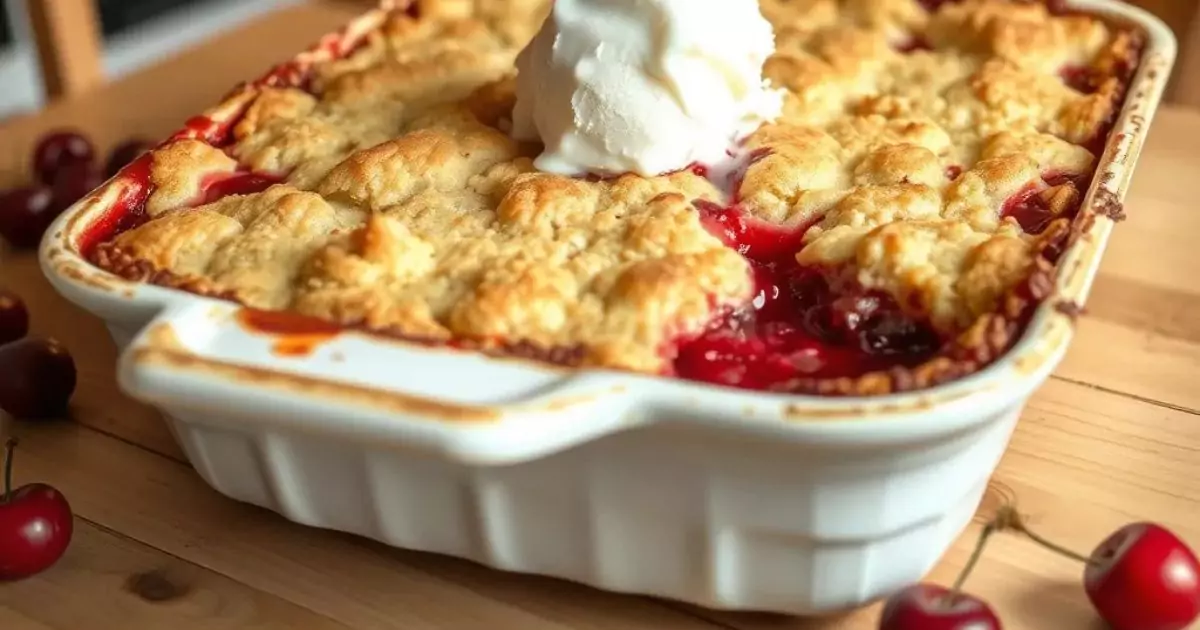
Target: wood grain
[116, 583]
[10, 618]
[1113, 437]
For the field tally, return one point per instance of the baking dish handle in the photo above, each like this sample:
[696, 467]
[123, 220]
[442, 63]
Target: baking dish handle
[199, 359]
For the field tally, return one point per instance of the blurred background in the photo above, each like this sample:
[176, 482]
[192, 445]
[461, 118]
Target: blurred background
[137, 33]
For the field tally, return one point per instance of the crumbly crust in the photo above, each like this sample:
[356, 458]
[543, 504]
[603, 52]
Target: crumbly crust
[405, 207]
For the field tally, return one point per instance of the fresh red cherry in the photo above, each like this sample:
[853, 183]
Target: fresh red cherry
[25, 213]
[933, 607]
[35, 526]
[14, 317]
[58, 149]
[125, 153]
[74, 181]
[39, 379]
[1143, 577]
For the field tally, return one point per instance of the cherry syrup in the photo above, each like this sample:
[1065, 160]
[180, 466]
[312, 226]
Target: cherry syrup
[1030, 207]
[241, 183]
[798, 324]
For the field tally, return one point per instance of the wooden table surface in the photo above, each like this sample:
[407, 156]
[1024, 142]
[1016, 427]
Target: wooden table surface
[1113, 437]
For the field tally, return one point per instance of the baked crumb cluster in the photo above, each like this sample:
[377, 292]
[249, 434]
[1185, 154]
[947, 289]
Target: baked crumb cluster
[907, 133]
[387, 194]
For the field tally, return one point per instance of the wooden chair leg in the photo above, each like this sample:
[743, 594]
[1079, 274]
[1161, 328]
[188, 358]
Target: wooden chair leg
[1187, 92]
[69, 45]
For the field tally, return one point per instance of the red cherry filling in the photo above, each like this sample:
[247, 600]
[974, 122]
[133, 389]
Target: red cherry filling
[932, 6]
[1031, 206]
[1055, 7]
[124, 154]
[246, 183]
[127, 212]
[1080, 78]
[797, 324]
[756, 240]
[1143, 576]
[915, 43]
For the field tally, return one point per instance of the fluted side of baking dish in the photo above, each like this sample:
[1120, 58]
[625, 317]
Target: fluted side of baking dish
[666, 510]
[723, 498]
[595, 478]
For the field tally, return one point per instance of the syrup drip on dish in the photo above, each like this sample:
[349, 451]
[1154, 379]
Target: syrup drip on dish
[294, 336]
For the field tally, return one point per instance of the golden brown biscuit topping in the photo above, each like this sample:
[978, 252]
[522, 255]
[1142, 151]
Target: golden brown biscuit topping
[879, 236]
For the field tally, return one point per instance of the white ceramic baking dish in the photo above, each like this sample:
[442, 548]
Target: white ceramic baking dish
[723, 498]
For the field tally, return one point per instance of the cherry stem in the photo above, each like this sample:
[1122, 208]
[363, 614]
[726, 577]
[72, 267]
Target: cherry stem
[10, 447]
[1008, 518]
[988, 530]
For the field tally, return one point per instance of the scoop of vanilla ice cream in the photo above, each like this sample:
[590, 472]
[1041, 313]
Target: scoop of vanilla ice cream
[644, 86]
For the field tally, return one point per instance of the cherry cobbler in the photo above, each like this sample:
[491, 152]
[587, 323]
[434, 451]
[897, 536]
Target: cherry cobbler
[890, 231]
